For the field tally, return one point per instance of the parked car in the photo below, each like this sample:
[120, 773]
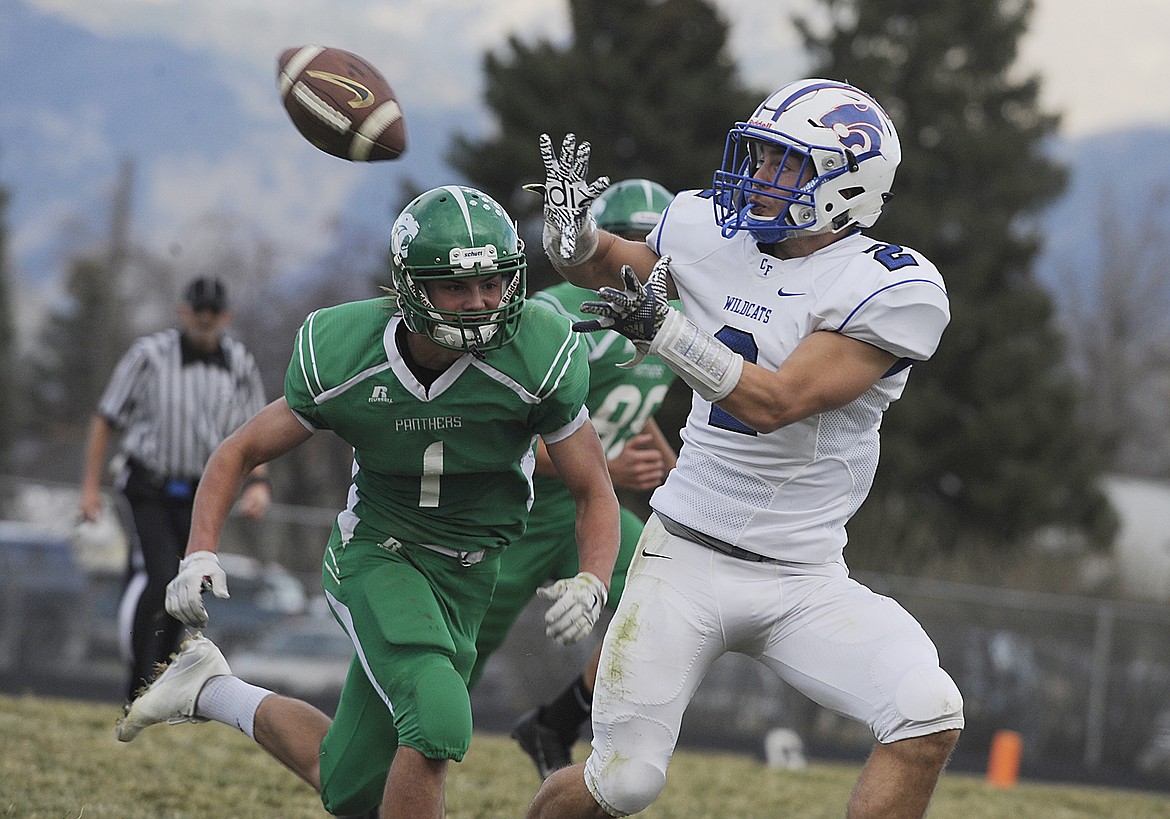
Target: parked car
[43, 603]
[263, 595]
[307, 658]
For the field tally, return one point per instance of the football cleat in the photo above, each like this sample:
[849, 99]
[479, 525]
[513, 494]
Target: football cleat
[172, 695]
[547, 748]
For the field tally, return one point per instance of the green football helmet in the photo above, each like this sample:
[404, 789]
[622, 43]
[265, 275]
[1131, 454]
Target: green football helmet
[631, 208]
[457, 232]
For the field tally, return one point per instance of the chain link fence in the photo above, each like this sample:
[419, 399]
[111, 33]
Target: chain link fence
[1085, 681]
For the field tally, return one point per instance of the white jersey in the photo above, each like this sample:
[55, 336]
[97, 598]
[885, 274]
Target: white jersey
[788, 494]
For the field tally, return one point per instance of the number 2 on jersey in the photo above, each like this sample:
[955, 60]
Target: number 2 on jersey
[743, 343]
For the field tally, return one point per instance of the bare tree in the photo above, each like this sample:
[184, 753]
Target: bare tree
[1118, 327]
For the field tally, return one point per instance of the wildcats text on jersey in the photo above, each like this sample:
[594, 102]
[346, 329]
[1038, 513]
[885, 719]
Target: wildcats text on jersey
[747, 309]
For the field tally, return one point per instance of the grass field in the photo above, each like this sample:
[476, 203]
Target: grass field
[59, 760]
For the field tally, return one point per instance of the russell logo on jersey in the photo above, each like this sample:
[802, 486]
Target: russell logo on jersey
[379, 396]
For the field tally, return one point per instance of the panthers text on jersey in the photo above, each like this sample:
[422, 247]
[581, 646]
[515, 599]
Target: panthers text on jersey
[450, 465]
[788, 494]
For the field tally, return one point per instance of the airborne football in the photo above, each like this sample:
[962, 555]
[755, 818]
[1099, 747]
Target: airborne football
[341, 104]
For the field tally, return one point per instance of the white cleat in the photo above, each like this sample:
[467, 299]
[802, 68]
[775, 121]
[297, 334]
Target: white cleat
[171, 696]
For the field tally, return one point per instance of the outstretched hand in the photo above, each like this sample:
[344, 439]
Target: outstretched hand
[637, 311]
[567, 194]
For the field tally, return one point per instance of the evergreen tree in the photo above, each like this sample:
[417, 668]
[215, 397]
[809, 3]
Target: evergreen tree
[649, 83]
[80, 342]
[83, 337]
[985, 450]
[10, 408]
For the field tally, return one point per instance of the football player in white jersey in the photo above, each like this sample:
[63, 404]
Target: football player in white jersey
[797, 331]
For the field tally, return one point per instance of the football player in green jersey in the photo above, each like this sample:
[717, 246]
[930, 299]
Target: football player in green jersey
[621, 404]
[441, 390]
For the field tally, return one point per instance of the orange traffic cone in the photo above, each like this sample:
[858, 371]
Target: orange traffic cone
[1003, 763]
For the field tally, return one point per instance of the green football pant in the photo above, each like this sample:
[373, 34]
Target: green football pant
[413, 615]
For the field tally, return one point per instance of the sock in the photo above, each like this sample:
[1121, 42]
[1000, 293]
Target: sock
[571, 708]
[231, 701]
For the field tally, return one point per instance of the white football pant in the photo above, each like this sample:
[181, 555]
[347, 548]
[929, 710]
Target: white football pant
[852, 651]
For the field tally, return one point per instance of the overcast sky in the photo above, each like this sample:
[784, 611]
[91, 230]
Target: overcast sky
[1104, 64]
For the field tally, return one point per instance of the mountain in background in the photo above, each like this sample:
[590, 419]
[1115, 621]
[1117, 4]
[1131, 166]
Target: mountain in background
[206, 141]
[1121, 176]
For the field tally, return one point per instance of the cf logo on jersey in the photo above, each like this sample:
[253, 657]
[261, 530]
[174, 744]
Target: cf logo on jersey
[563, 194]
[379, 396]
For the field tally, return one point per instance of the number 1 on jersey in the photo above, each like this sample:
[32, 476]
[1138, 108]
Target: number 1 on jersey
[432, 471]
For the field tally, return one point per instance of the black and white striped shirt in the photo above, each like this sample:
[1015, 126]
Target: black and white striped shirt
[174, 414]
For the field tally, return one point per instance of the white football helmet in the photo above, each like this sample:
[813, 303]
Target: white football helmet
[848, 150]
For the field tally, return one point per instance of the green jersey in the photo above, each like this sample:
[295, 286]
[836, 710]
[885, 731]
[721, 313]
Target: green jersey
[450, 464]
[620, 401]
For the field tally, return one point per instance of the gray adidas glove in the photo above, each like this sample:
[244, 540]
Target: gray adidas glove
[642, 314]
[198, 571]
[637, 312]
[578, 602]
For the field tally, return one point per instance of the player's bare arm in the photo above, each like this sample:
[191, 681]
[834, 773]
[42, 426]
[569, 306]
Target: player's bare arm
[640, 466]
[827, 370]
[669, 456]
[603, 268]
[272, 432]
[580, 462]
[577, 601]
[544, 464]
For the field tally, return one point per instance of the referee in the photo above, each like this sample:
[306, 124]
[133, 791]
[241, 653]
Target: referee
[174, 396]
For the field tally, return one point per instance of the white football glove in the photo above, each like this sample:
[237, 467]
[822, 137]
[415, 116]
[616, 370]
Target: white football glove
[570, 231]
[198, 571]
[578, 605]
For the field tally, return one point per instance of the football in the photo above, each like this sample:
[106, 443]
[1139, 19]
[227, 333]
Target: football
[341, 104]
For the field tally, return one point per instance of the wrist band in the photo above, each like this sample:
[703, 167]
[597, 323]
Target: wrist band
[706, 364]
[586, 246]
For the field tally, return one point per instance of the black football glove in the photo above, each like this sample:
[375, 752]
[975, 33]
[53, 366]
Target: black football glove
[637, 312]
